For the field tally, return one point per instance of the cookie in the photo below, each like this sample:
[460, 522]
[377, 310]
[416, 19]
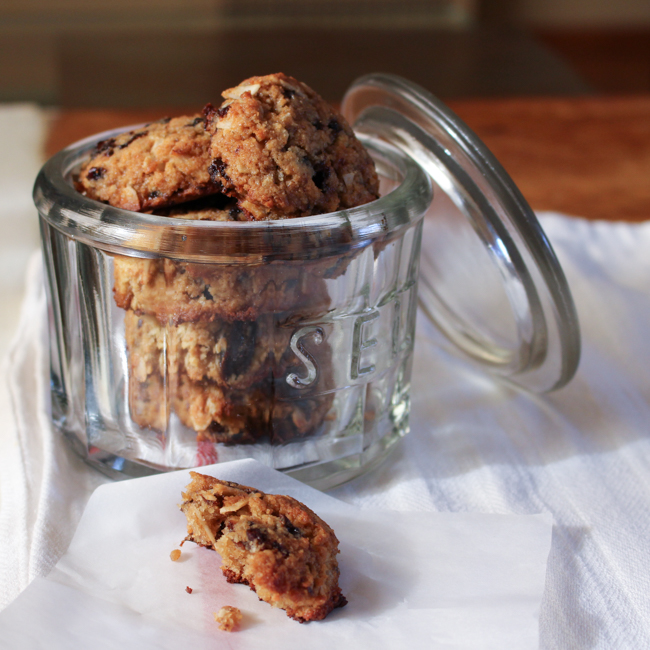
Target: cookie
[179, 292]
[158, 165]
[283, 152]
[148, 402]
[226, 417]
[233, 417]
[221, 415]
[159, 382]
[247, 416]
[218, 414]
[216, 207]
[145, 347]
[231, 354]
[221, 380]
[279, 547]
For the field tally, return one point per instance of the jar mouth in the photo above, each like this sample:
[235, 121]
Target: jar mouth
[406, 195]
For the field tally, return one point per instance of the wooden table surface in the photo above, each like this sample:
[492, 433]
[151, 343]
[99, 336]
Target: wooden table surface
[588, 156]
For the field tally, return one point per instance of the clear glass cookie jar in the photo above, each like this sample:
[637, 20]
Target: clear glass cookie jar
[177, 343]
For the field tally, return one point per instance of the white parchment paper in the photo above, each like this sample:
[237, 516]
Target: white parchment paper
[413, 580]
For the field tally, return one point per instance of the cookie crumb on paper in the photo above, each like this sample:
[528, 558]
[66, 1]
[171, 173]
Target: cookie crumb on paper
[229, 618]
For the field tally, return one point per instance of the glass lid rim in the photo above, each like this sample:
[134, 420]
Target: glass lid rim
[519, 214]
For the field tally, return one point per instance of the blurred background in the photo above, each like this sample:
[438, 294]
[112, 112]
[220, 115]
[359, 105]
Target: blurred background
[136, 53]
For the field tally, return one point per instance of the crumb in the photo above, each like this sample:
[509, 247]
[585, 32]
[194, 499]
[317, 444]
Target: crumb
[188, 589]
[175, 554]
[229, 618]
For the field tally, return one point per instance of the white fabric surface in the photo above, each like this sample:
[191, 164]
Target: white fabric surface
[22, 128]
[582, 453]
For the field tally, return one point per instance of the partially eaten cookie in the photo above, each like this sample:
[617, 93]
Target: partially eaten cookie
[273, 543]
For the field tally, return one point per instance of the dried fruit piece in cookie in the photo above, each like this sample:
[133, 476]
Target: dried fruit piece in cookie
[275, 544]
[160, 164]
[283, 152]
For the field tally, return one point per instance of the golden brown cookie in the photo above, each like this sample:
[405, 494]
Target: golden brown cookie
[243, 417]
[220, 379]
[231, 417]
[160, 164]
[159, 382]
[218, 414]
[148, 402]
[216, 207]
[145, 347]
[180, 292]
[231, 354]
[273, 543]
[282, 151]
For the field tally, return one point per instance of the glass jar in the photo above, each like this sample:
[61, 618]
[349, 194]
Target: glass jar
[178, 343]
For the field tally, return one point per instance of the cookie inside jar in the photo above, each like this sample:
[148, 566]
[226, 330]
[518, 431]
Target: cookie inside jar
[225, 349]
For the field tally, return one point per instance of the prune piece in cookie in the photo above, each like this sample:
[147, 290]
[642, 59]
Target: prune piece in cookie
[273, 543]
[282, 151]
[160, 164]
[179, 292]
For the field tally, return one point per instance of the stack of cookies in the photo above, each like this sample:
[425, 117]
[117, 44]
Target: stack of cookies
[211, 341]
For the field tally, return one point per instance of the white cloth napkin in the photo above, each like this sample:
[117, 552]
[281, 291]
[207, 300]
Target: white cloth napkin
[22, 128]
[582, 454]
[463, 581]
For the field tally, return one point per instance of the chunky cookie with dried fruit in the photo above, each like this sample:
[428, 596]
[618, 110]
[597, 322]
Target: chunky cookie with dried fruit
[219, 379]
[232, 355]
[283, 152]
[273, 543]
[185, 292]
[158, 165]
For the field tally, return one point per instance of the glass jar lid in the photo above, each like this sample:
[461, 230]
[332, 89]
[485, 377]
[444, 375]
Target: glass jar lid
[489, 279]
